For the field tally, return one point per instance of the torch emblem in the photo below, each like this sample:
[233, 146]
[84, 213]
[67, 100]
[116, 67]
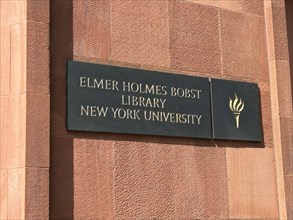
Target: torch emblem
[236, 106]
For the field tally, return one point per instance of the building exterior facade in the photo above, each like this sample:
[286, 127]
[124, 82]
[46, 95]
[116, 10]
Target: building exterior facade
[47, 171]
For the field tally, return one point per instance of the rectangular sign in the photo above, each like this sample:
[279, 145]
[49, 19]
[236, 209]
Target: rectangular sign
[236, 110]
[123, 100]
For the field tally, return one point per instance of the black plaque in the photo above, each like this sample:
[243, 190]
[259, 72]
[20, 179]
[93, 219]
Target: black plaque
[236, 110]
[123, 100]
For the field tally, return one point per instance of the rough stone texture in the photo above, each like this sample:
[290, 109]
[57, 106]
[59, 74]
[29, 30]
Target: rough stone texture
[288, 149]
[253, 7]
[201, 185]
[194, 37]
[234, 5]
[288, 124]
[281, 96]
[91, 28]
[266, 114]
[284, 135]
[143, 180]
[281, 75]
[37, 57]
[289, 16]
[38, 10]
[37, 130]
[93, 179]
[247, 6]
[277, 33]
[279, 164]
[252, 183]
[19, 135]
[289, 194]
[276, 3]
[243, 46]
[107, 176]
[140, 32]
[287, 140]
[36, 193]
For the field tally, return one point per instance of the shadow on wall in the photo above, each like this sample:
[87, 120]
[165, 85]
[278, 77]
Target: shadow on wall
[61, 149]
[289, 18]
[289, 15]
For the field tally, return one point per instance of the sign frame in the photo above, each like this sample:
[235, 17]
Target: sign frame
[188, 111]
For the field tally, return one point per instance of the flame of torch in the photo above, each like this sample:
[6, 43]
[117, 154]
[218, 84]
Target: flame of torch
[236, 106]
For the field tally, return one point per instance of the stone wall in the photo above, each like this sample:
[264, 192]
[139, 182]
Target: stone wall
[24, 109]
[143, 177]
[49, 172]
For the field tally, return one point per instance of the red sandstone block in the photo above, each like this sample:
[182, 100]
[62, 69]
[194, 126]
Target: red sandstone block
[276, 3]
[12, 12]
[93, 179]
[280, 33]
[234, 5]
[246, 6]
[9, 139]
[284, 87]
[3, 194]
[252, 183]
[253, 7]
[270, 31]
[201, 186]
[140, 32]
[289, 192]
[37, 57]
[18, 58]
[194, 37]
[277, 33]
[266, 113]
[274, 88]
[37, 130]
[16, 191]
[38, 10]
[37, 193]
[283, 132]
[280, 75]
[289, 211]
[144, 180]
[5, 60]
[91, 28]
[286, 125]
[244, 50]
